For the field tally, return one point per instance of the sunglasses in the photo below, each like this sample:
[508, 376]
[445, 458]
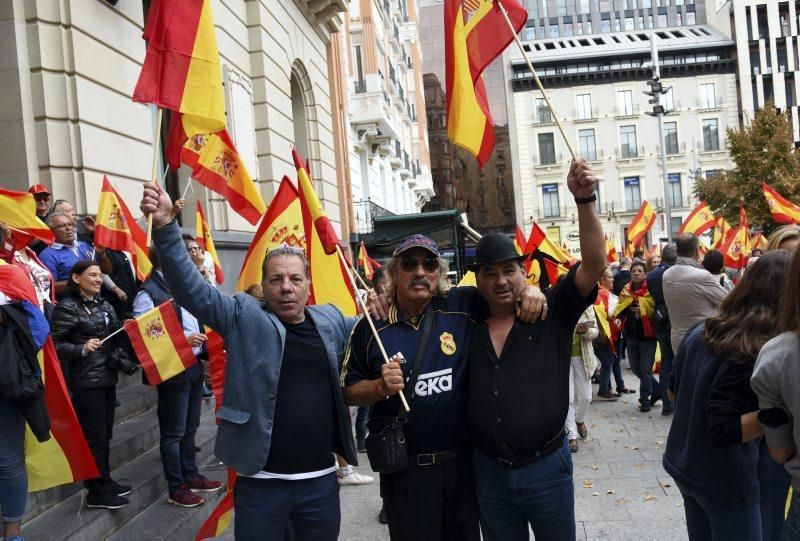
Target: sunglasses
[409, 264]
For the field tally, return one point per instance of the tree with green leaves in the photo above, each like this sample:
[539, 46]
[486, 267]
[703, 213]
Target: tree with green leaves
[763, 151]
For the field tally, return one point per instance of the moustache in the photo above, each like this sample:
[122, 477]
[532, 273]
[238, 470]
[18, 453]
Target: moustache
[419, 282]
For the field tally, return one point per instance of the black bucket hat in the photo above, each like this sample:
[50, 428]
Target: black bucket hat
[495, 248]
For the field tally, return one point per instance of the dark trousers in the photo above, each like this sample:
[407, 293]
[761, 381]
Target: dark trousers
[641, 355]
[272, 508]
[708, 520]
[432, 503]
[361, 422]
[179, 401]
[95, 411]
[774, 482]
[667, 358]
[540, 494]
[609, 363]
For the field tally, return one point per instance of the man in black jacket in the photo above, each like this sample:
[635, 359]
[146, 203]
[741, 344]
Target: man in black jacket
[661, 323]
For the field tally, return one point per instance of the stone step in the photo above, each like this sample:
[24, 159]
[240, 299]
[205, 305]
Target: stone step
[134, 399]
[162, 522]
[69, 519]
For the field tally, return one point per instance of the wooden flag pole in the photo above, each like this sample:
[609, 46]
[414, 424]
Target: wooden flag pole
[369, 321]
[502, 9]
[154, 175]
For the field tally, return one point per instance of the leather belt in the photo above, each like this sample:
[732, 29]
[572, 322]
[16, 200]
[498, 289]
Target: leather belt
[547, 449]
[440, 457]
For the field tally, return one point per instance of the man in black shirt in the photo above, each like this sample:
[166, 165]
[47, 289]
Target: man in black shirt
[519, 384]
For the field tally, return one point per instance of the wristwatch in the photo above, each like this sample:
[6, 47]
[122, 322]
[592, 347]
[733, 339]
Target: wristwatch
[585, 200]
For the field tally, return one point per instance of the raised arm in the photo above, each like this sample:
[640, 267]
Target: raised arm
[582, 183]
[188, 288]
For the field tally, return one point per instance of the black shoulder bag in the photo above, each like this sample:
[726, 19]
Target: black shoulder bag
[386, 441]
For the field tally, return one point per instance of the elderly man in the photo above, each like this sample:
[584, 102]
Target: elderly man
[435, 497]
[283, 416]
[65, 207]
[67, 250]
[519, 390]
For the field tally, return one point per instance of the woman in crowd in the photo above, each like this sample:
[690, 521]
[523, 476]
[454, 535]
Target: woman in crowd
[583, 364]
[81, 320]
[653, 261]
[604, 349]
[15, 250]
[786, 237]
[713, 445]
[714, 263]
[776, 381]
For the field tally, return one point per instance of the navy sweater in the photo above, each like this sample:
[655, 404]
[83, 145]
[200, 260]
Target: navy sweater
[704, 450]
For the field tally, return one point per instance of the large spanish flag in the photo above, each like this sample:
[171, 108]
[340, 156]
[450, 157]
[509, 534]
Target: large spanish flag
[159, 343]
[281, 224]
[116, 229]
[203, 236]
[475, 34]
[611, 252]
[539, 241]
[698, 221]
[783, 211]
[181, 70]
[221, 517]
[641, 223]
[18, 210]
[329, 280]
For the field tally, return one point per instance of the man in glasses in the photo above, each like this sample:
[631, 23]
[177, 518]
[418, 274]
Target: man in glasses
[42, 197]
[435, 497]
[67, 250]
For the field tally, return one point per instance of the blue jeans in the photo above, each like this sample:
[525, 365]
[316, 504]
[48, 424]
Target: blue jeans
[708, 520]
[641, 355]
[540, 494]
[13, 479]
[667, 357]
[361, 422]
[774, 482]
[264, 508]
[179, 401]
[791, 528]
[609, 363]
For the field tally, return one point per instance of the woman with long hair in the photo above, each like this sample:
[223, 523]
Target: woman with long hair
[81, 320]
[776, 381]
[713, 445]
[786, 237]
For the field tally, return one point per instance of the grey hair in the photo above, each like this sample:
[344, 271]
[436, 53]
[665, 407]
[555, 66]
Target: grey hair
[55, 215]
[285, 249]
[391, 271]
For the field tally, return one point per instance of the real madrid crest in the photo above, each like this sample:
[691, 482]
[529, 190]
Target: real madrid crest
[448, 344]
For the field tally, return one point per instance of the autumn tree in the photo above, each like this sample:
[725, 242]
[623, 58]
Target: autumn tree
[763, 151]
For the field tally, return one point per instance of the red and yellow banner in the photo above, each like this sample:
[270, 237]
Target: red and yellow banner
[475, 34]
[158, 340]
[219, 519]
[759, 242]
[520, 242]
[783, 211]
[611, 252]
[736, 248]
[642, 223]
[554, 270]
[203, 237]
[181, 70]
[367, 264]
[700, 220]
[217, 364]
[116, 229]
[18, 210]
[539, 241]
[722, 230]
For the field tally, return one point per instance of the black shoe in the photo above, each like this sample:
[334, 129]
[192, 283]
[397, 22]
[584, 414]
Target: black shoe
[608, 395]
[361, 445]
[207, 392]
[666, 411]
[122, 490]
[654, 400]
[103, 500]
[382, 516]
[197, 449]
[644, 408]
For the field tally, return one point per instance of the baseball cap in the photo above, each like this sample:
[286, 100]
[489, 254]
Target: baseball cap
[416, 241]
[37, 189]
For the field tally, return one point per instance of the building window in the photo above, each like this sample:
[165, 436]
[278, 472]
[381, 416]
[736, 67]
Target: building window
[543, 115]
[547, 149]
[550, 203]
[530, 33]
[588, 27]
[561, 7]
[583, 104]
[678, 19]
[605, 26]
[624, 102]
[671, 137]
[690, 18]
[708, 98]
[627, 139]
[553, 30]
[649, 21]
[567, 29]
[647, 4]
[629, 23]
[662, 21]
[585, 6]
[588, 148]
[616, 25]
[710, 134]
[633, 197]
[669, 100]
[713, 173]
[675, 192]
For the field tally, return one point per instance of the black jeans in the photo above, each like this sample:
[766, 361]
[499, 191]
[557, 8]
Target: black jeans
[179, 401]
[361, 422]
[95, 411]
[432, 503]
[667, 357]
[609, 363]
[641, 355]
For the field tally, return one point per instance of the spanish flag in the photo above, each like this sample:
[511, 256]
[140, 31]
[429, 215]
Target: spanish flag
[539, 241]
[520, 242]
[219, 519]
[329, 280]
[554, 270]
[181, 69]
[736, 248]
[628, 251]
[116, 229]
[282, 224]
[475, 34]
[18, 210]
[366, 262]
[611, 252]
[698, 221]
[203, 237]
[642, 223]
[215, 164]
[645, 302]
[217, 364]
[758, 242]
[159, 343]
[783, 211]
[722, 230]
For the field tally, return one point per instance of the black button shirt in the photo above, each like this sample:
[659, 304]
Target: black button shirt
[518, 403]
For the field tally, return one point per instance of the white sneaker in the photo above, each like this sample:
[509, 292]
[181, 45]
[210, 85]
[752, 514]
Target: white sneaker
[355, 478]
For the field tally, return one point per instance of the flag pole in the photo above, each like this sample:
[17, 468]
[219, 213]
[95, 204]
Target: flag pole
[369, 321]
[154, 175]
[112, 334]
[502, 9]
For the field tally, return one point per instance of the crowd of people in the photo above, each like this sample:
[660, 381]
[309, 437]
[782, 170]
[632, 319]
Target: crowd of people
[467, 401]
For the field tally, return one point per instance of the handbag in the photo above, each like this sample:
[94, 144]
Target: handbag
[386, 442]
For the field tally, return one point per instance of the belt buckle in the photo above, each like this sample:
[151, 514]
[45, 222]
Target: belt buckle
[506, 463]
[427, 459]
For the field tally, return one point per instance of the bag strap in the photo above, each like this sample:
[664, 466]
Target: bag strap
[412, 378]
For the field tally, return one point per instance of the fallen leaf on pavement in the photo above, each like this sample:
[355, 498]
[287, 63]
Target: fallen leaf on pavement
[649, 497]
[595, 493]
[665, 485]
[622, 500]
[639, 464]
[588, 484]
[659, 442]
[610, 491]
[633, 418]
[679, 504]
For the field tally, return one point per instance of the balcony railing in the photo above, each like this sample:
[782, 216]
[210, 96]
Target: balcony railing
[546, 160]
[583, 114]
[360, 86]
[365, 212]
[542, 117]
[630, 153]
[672, 150]
[633, 110]
[709, 104]
[385, 96]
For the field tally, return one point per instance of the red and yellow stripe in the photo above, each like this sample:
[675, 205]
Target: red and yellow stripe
[206, 242]
[159, 343]
[220, 519]
[700, 220]
[18, 210]
[642, 223]
[783, 211]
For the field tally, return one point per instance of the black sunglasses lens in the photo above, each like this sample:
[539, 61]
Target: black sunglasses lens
[430, 264]
[410, 264]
